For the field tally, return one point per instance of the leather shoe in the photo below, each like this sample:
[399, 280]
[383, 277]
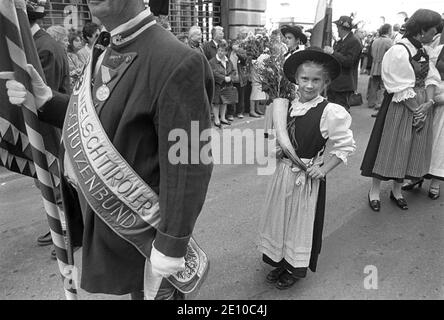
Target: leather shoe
[412, 185]
[44, 240]
[274, 275]
[374, 204]
[434, 193]
[225, 122]
[286, 281]
[433, 196]
[401, 203]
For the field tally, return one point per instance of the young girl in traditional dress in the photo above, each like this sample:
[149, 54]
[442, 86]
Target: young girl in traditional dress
[291, 224]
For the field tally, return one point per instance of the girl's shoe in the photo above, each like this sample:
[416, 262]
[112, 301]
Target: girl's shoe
[217, 124]
[230, 118]
[274, 275]
[286, 281]
[434, 193]
[240, 116]
[412, 185]
[254, 115]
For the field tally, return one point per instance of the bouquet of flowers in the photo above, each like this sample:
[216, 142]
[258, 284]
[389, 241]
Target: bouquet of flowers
[255, 45]
[270, 70]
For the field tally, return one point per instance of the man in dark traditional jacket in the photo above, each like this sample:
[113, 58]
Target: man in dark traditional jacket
[52, 55]
[348, 51]
[144, 85]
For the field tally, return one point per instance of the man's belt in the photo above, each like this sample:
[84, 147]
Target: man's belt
[123, 200]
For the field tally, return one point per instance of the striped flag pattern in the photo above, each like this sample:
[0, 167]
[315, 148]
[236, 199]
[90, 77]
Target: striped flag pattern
[19, 49]
[322, 31]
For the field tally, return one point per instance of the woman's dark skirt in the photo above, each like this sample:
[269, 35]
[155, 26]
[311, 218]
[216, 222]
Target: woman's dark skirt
[371, 152]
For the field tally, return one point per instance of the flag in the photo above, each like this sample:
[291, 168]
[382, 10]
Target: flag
[321, 35]
[15, 151]
[22, 140]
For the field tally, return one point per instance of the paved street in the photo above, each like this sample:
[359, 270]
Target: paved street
[407, 248]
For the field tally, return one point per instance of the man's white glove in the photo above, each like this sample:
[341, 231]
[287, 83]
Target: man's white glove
[163, 265]
[17, 92]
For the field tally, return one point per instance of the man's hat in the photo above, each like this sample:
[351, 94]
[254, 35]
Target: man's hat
[296, 31]
[345, 22]
[314, 54]
[35, 9]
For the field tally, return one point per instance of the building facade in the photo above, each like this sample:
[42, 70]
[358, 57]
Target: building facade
[233, 15]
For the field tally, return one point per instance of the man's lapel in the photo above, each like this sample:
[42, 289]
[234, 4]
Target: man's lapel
[117, 64]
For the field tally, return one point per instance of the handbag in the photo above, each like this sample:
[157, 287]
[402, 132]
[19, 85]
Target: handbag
[355, 100]
[229, 95]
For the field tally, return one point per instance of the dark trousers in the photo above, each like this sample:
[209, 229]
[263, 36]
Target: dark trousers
[238, 108]
[247, 94]
[375, 91]
[341, 98]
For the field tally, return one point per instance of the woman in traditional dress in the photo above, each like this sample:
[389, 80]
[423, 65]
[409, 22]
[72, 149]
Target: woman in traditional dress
[436, 171]
[401, 142]
[290, 231]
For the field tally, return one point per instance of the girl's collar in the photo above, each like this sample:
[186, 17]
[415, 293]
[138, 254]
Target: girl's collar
[298, 108]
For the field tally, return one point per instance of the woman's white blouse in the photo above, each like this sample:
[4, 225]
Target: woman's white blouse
[334, 125]
[398, 75]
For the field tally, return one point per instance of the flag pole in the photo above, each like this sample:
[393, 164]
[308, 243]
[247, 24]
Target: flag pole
[15, 22]
[328, 32]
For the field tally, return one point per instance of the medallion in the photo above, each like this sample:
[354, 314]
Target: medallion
[102, 93]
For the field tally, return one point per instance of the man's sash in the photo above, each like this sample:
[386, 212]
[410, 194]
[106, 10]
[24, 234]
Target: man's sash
[113, 189]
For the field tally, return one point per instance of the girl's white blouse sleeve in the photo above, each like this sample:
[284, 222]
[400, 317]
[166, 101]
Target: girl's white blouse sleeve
[335, 126]
[397, 73]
